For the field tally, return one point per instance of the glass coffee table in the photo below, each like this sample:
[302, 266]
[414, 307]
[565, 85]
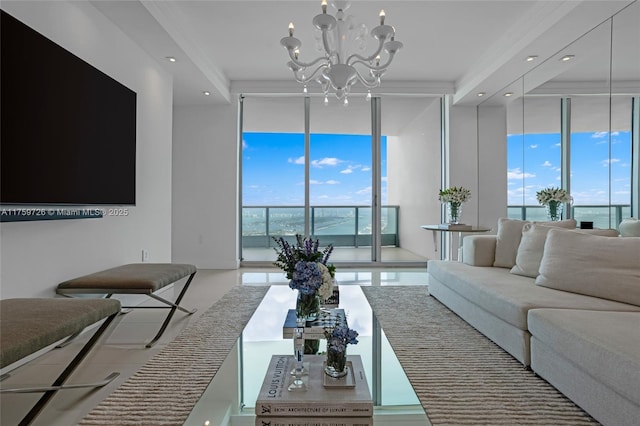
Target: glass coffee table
[231, 396]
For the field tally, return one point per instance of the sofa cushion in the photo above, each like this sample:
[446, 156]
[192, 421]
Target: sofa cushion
[508, 296]
[592, 265]
[509, 235]
[606, 345]
[531, 246]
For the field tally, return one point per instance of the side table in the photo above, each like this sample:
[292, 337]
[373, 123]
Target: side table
[439, 228]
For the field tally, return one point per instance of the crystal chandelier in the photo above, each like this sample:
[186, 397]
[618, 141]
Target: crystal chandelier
[337, 68]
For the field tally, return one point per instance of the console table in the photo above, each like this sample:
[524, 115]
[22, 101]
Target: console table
[439, 228]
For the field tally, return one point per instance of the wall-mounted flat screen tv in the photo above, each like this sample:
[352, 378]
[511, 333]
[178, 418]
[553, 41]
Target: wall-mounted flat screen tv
[68, 130]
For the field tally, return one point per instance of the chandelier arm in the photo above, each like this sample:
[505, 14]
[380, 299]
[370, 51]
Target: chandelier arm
[325, 44]
[367, 83]
[370, 58]
[304, 64]
[378, 68]
[310, 77]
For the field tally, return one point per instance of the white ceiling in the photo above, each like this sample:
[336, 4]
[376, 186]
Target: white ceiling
[455, 47]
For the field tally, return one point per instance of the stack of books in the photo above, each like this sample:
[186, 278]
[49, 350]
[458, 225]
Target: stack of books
[323, 401]
[314, 329]
[455, 226]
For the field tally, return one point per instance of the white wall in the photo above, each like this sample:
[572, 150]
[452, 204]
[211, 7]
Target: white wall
[413, 179]
[36, 256]
[205, 186]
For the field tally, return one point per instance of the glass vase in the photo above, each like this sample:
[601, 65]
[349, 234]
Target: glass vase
[336, 364]
[554, 210]
[307, 306]
[455, 211]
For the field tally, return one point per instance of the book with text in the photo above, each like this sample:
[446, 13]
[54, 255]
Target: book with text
[314, 329]
[275, 400]
[314, 421]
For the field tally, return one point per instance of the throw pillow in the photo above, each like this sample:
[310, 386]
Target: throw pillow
[593, 265]
[630, 227]
[531, 246]
[530, 250]
[509, 235]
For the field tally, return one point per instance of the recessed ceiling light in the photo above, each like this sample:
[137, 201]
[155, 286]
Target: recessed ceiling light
[531, 58]
[481, 94]
[171, 59]
[508, 94]
[206, 93]
[566, 58]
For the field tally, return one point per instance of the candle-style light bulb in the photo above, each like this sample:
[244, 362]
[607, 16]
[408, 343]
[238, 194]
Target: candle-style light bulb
[296, 53]
[324, 6]
[291, 28]
[326, 100]
[382, 15]
[378, 61]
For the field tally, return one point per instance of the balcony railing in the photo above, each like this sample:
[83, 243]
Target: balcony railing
[342, 226]
[598, 214]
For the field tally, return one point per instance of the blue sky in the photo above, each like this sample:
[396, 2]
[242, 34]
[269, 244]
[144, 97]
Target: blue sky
[535, 164]
[340, 172]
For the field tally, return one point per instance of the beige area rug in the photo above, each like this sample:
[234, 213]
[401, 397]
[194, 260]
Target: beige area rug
[167, 387]
[460, 376]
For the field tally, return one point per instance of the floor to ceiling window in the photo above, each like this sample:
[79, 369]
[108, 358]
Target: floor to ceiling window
[601, 160]
[533, 154]
[340, 176]
[326, 188]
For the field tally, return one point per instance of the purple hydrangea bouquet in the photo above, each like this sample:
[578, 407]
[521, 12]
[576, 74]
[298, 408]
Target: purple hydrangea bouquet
[309, 272]
[338, 337]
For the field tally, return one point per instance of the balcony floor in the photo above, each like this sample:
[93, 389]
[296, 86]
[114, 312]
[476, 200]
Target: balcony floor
[343, 256]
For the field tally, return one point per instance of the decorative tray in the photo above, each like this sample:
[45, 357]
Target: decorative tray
[348, 381]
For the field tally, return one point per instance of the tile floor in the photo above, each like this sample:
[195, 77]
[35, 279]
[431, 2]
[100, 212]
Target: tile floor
[122, 347]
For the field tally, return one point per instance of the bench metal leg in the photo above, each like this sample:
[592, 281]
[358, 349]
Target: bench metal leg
[172, 311]
[55, 386]
[38, 389]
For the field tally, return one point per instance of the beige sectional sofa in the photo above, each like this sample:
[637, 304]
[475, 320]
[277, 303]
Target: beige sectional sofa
[564, 302]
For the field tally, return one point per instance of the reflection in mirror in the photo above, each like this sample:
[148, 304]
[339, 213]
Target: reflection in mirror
[569, 125]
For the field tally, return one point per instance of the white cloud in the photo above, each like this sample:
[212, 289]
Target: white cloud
[332, 182]
[534, 146]
[366, 190]
[314, 182]
[244, 145]
[384, 178]
[347, 171]
[546, 164]
[327, 161]
[605, 163]
[366, 169]
[299, 160]
[600, 135]
[518, 174]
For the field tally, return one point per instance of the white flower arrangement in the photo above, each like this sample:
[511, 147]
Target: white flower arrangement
[454, 195]
[551, 193]
[326, 289]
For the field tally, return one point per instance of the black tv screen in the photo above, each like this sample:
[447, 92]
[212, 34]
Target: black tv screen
[68, 130]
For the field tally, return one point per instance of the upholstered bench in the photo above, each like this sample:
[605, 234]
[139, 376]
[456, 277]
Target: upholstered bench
[29, 325]
[135, 278]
